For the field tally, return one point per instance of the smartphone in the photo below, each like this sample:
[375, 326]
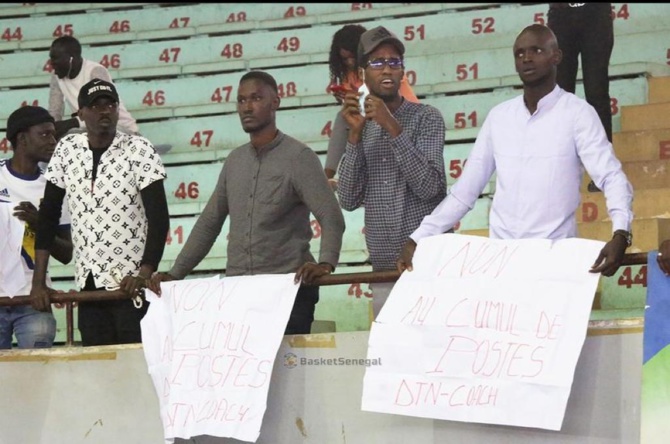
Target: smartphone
[361, 100]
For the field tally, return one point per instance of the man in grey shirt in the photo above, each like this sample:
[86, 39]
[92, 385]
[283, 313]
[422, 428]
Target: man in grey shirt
[268, 186]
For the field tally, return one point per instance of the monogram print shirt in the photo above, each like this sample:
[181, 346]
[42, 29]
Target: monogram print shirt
[109, 224]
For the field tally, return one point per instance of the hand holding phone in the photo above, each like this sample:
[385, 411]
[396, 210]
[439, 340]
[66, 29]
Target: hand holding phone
[361, 100]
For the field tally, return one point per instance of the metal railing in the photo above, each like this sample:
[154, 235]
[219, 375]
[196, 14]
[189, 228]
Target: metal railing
[333, 279]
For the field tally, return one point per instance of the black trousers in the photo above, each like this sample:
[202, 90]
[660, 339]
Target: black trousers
[109, 322]
[587, 30]
[302, 314]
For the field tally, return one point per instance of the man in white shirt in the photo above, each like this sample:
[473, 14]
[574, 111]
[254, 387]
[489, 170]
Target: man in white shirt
[538, 143]
[71, 72]
[30, 130]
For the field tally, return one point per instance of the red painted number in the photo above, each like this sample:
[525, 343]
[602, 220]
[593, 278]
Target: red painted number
[412, 31]
[664, 149]
[295, 11]
[26, 103]
[187, 191]
[218, 97]
[614, 106]
[167, 58]
[119, 26]
[4, 145]
[179, 233]
[180, 22]
[62, 30]
[289, 90]
[622, 13]
[316, 229]
[113, 61]
[461, 121]
[463, 71]
[8, 35]
[327, 129]
[483, 26]
[627, 280]
[456, 167]
[360, 6]
[539, 18]
[198, 137]
[289, 44]
[232, 51]
[355, 290]
[239, 17]
[411, 77]
[151, 98]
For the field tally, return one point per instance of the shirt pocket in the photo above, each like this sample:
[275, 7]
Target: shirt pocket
[271, 190]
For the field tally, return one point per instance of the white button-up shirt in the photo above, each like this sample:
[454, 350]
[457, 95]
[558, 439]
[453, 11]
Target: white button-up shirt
[539, 161]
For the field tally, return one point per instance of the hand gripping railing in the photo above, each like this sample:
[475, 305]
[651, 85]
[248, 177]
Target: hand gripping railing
[332, 279]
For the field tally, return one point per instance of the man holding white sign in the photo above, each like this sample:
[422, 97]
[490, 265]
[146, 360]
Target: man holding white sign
[484, 331]
[538, 144]
[268, 187]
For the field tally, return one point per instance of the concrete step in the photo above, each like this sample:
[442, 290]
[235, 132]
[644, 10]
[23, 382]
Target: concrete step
[647, 233]
[645, 117]
[659, 89]
[631, 146]
[646, 204]
[646, 174]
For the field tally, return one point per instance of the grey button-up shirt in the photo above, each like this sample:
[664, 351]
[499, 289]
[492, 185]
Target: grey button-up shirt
[269, 193]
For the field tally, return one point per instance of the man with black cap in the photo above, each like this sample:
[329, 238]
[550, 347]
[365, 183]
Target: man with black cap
[393, 161]
[30, 130]
[114, 186]
[70, 72]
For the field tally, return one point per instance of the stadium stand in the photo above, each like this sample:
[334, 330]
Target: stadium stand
[177, 67]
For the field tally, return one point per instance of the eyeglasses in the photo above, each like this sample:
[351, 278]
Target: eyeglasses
[393, 63]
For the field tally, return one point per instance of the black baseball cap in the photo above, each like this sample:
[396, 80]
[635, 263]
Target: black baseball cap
[94, 89]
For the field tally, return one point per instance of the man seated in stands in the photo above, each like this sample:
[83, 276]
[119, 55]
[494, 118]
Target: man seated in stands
[268, 187]
[31, 132]
[393, 162]
[538, 143]
[114, 187]
[71, 72]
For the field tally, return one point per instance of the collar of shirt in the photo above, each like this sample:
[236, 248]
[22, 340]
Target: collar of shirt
[262, 150]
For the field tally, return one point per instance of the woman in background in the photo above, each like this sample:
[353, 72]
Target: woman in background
[344, 76]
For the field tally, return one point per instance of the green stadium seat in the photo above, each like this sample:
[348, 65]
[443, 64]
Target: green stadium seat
[21, 9]
[189, 187]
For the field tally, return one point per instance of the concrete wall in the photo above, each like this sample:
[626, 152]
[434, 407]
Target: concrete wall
[104, 395]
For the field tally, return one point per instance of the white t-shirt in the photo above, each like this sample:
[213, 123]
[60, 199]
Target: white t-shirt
[67, 90]
[17, 188]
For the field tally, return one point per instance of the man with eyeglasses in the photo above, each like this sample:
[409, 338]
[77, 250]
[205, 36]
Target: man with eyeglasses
[114, 187]
[393, 162]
